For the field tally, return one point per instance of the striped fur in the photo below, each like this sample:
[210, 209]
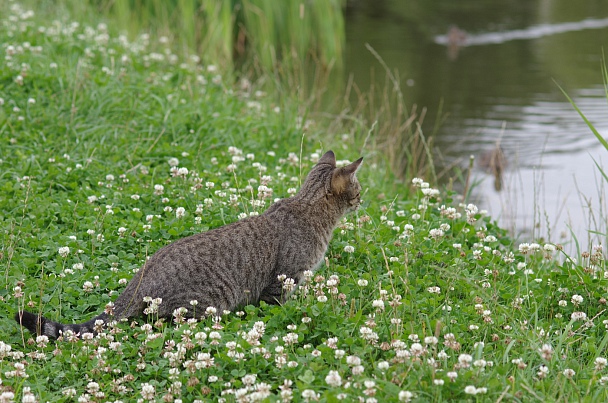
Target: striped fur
[237, 264]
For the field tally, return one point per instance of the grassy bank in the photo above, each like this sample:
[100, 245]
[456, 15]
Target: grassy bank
[111, 148]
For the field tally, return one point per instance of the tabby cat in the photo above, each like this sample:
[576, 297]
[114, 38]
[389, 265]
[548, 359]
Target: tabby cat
[239, 263]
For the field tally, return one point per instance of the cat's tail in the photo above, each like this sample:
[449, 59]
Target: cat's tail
[42, 326]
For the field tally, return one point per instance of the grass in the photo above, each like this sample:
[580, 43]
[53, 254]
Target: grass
[237, 31]
[421, 298]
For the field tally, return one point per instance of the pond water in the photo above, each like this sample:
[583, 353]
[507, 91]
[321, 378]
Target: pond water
[493, 66]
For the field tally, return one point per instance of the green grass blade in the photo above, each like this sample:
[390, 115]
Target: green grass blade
[582, 115]
[600, 169]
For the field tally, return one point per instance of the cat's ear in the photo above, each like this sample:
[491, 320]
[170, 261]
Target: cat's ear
[328, 158]
[341, 177]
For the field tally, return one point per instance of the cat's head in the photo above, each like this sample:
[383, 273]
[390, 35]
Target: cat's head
[338, 185]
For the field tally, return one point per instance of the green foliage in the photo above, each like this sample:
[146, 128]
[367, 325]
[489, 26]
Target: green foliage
[420, 298]
[264, 30]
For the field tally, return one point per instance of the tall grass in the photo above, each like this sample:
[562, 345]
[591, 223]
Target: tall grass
[231, 32]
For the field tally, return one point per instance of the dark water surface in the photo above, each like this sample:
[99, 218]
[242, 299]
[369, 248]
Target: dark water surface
[494, 67]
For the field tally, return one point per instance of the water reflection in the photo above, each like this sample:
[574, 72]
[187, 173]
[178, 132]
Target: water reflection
[501, 89]
[459, 37]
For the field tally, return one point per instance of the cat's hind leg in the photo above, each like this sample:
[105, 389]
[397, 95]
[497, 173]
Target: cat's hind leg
[274, 293]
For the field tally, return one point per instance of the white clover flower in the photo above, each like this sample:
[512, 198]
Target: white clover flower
[576, 299]
[309, 394]
[121, 231]
[480, 363]
[430, 192]
[64, 251]
[431, 340]
[180, 212]
[569, 373]
[470, 390]
[249, 379]
[159, 190]
[333, 379]
[358, 370]
[352, 360]
[405, 396]
[339, 354]
[417, 349]
[465, 360]
[600, 363]
[173, 162]
[578, 316]
[434, 290]
[546, 352]
[290, 338]
[436, 233]
[70, 392]
[471, 208]
[543, 371]
[362, 283]
[147, 391]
